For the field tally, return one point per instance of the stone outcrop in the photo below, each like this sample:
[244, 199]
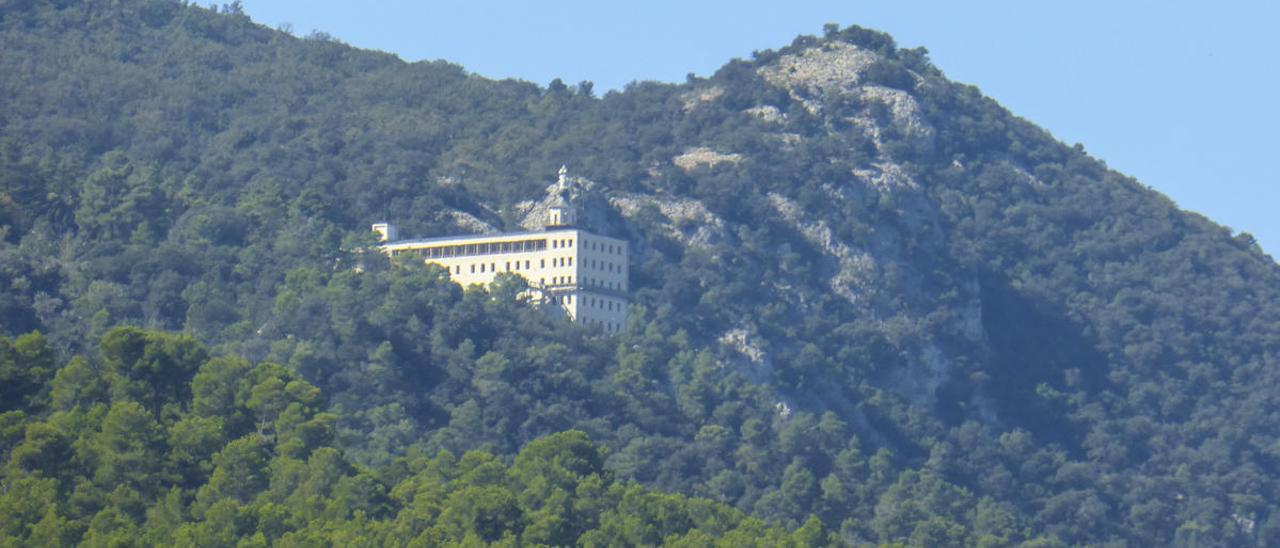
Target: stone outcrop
[833, 68]
[686, 221]
[693, 99]
[767, 113]
[856, 268]
[838, 70]
[703, 156]
[467, 222]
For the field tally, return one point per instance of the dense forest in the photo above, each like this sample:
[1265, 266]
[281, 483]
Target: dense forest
[871, 306]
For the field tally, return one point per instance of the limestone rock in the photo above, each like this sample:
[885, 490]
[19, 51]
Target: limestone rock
[767, 113]
[703, 156]
[692, 99]
[834, 67]
[688, 221]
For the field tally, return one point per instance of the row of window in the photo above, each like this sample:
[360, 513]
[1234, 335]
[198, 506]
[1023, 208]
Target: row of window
[602, 304]
[606, 284]
[604, 265]
[589, 301]
[489, 248]
[515, 266]
[609, 327]
[606, 248]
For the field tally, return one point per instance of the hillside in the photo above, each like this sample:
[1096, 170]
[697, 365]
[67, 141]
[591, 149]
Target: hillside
[863, 292]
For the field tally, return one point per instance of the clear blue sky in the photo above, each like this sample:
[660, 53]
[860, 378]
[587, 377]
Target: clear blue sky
[1184, 96]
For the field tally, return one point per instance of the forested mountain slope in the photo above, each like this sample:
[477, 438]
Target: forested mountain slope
[863, 292]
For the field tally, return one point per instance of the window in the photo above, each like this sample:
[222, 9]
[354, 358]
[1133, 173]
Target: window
[555, 244]
[570, 261]
[473, 269]
[457, 269]
[493, 267]
[544, 263]
[481, 268]
[526, 265]
[508, 266]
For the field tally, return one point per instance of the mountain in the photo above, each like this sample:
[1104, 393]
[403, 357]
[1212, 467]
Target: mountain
[863, 293]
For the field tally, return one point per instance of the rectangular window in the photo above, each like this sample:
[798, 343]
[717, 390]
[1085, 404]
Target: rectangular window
[543, 263]
[570, 261]
[508, 266]
[473, 269]
[482, 268]
[493, 267]
[526, 265]
[555, 244]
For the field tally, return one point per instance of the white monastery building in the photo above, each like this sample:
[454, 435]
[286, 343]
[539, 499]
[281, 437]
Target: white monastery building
[583, 274]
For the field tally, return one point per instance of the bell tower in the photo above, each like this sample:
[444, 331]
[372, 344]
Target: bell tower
[562, 213]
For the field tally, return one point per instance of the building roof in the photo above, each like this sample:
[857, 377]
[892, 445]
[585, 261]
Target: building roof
[465, 237]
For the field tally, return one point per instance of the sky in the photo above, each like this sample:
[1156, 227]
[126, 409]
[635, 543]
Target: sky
[1182, 95]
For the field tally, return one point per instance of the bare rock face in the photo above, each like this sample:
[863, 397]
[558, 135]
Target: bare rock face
[768, 114]
[693, 99]
[832, 68]
[839, 71]
[687, 221]
[703, 156]
[746, 351]
[856, 267]
[467, 222]
[885, 177]
[904, 114]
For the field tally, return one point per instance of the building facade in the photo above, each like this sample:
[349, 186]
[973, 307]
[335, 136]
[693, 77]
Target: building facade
[585, 275]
